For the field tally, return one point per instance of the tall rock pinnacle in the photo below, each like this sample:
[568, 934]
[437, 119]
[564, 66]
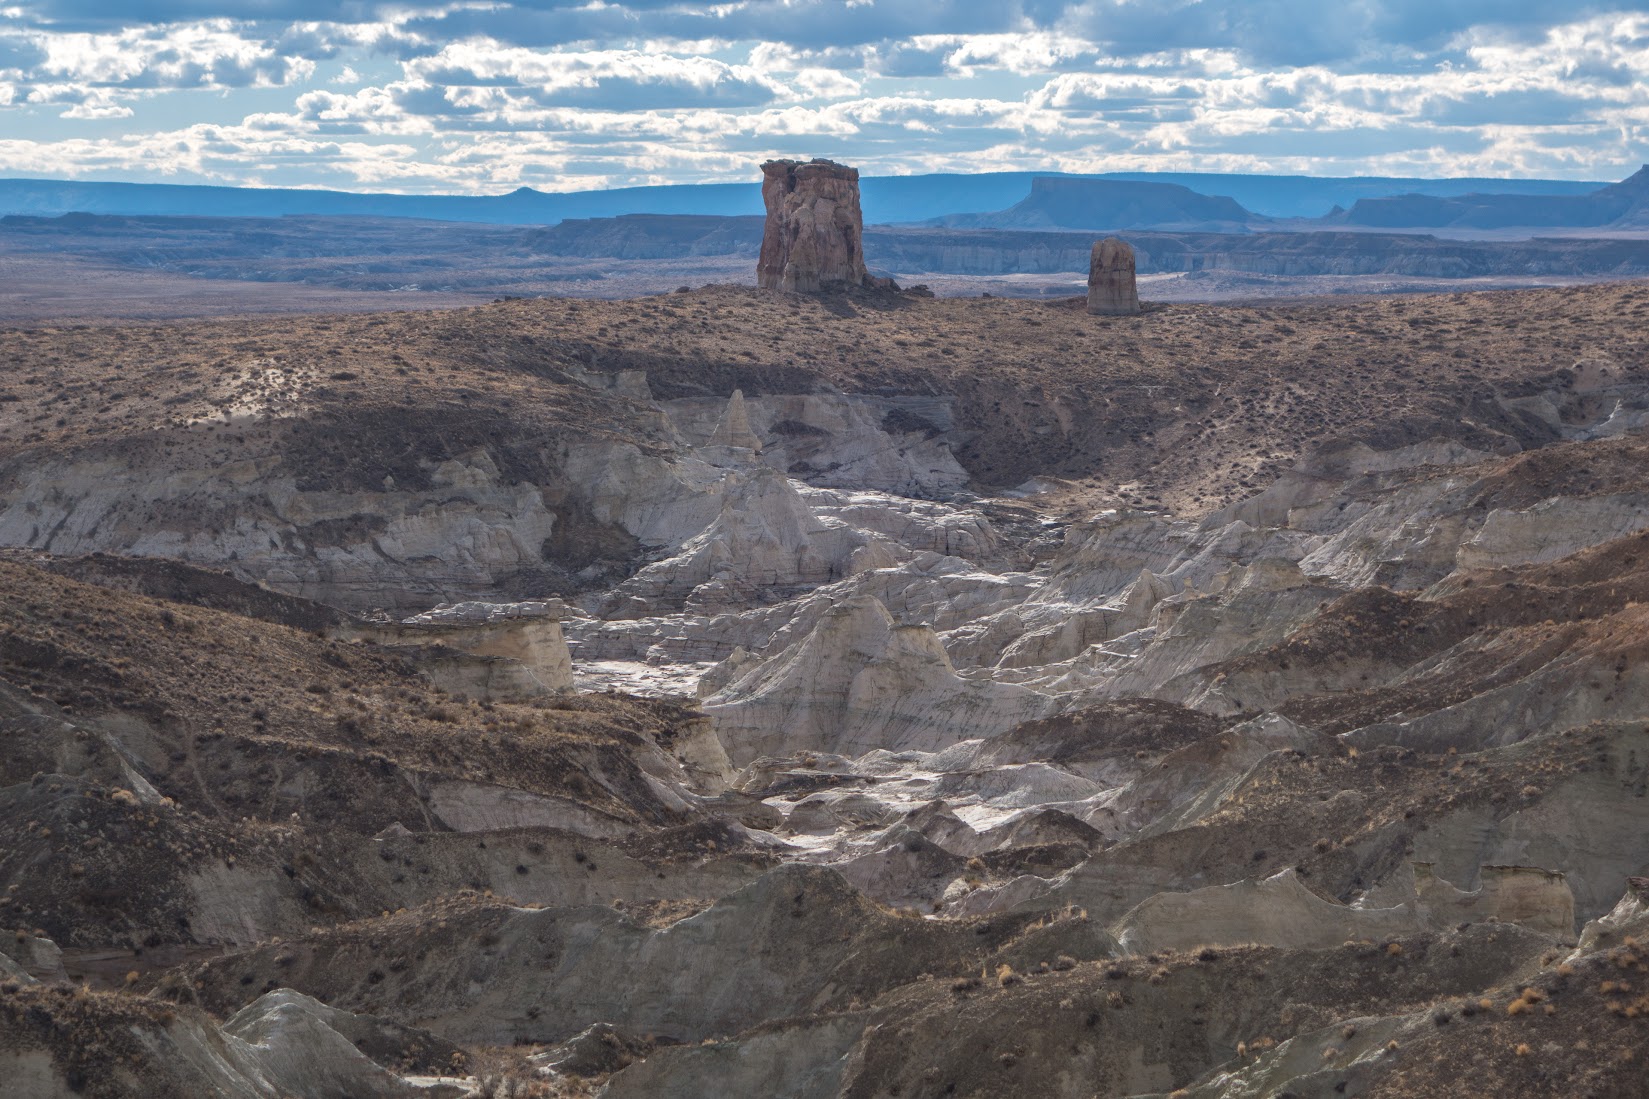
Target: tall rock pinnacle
[814, 233]
[1111, 290]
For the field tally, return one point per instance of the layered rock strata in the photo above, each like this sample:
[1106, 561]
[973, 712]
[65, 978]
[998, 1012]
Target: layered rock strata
[487, 650]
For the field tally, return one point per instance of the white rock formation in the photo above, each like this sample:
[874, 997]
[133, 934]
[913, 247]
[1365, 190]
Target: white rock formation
[289, 1040]
[1281, 912]
[397, 547]
[283, 1044]
[887, 444]
[1553, 528]
[1629, 917]
[858, 682]
[764, 543]
[733, 429]
[1538, 899]
[517, 649]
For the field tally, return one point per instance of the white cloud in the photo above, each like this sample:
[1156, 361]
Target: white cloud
[1068, 92]
[614, 79]
[94, 109]
[189, 55]
[824, 84]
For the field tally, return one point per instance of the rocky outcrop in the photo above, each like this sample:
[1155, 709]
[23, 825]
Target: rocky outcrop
[860, 681]
[1281, 911]
[304, 1047]
[1629, 917]
[801, 1059]
[33, 958]
[798, 939]
[733, 429]
[487, 650]
[389, 548]
[1111, 290]
[1553, 528]
[284, 1043]
[1528, 895]
[766, 542]
[814, 236]
[897, 444]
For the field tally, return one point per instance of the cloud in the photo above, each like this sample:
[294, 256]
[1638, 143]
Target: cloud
[606, 79]
[98, 75]
[103, 109]
[804, 24]
[824, 84]
[1308, 32]
[475, 95]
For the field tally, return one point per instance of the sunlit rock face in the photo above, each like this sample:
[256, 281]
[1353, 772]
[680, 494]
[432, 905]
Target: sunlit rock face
[486, 650]
[815, 229]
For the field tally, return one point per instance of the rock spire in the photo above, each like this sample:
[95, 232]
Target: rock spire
[733, 429]
[1111, 290]
[814, 233]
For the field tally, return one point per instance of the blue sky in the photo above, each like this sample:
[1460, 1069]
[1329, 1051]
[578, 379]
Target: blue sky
[483, 97]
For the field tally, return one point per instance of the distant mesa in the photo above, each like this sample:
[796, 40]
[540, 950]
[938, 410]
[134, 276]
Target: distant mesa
[1111, 288]
[1181, 202]
[814, 235]
[649, 236]
[1623, 205]
[1059, 202]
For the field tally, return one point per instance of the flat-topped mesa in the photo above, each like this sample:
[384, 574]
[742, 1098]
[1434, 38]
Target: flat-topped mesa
[814, 237]
[1111, 290]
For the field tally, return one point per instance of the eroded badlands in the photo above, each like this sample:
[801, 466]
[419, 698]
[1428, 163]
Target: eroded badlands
[626, 699]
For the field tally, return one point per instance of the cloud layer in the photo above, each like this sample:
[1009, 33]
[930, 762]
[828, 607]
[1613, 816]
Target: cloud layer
[486, 96]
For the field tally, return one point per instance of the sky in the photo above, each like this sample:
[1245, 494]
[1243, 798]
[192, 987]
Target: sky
[485, 97]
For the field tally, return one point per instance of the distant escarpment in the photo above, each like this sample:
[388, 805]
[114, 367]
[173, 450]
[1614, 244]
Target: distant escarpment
[985, 252]
[1009, 252]
[649, 236]
[1059, 202]
[1621, 205]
